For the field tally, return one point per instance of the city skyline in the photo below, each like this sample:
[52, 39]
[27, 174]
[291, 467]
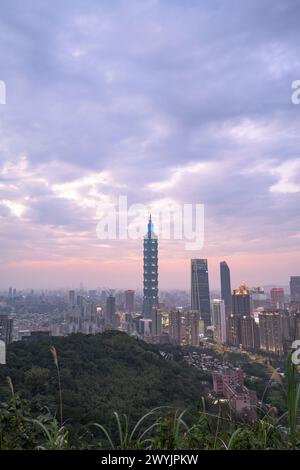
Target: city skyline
[93, 279]
[189, 105]
[149, 230]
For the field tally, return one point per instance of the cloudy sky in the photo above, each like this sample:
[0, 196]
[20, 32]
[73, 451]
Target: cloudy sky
[159, 100]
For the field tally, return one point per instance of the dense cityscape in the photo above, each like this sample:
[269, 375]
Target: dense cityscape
[149, 232]
[243, 319]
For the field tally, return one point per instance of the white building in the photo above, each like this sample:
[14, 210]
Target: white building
[219, 320]
[2, 352]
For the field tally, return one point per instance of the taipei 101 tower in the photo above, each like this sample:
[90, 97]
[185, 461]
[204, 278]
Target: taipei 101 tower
[150, 298]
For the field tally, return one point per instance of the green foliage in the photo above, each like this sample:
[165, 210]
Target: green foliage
[261, 435]
[89, 377]
[98, 375]
[54, 436]
[135, 438]
[37, 380]
[293, 394]
[170, 432]
[16, 430]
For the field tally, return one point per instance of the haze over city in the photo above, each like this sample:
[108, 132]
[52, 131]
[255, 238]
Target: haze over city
[189, 105]
[149, 231]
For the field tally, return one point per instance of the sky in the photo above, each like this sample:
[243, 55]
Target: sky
[185, 102]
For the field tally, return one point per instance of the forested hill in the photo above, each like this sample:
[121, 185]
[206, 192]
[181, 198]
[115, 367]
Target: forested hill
[99, 374]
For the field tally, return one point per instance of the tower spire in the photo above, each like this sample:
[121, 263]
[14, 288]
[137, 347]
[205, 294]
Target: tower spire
[150, 292]
[150, 226]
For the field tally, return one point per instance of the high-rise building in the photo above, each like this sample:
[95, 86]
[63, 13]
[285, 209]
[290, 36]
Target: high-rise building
[110, 311]
[150, 298]
[2, 352]
[241, 304]
[129, 301]
[295, 326]
[277, 297]
[103, 297]
[72, 297]
[200, 298]
[242, 329]
[234, 336]
[144, 327]
[249, 333]
[271, 332]
[92, 294]
[258, 297]
[192, 328]
[219, 320]
[295, 289]
[6, 329]
[120, 300]
[226, 287]
[156, 324]
[175, 326]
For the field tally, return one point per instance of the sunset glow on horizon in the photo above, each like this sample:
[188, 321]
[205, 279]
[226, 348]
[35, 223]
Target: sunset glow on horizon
[110, 101]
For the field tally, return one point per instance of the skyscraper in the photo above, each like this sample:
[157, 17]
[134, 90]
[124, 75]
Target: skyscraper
[241, 310]
[234, 330]
[72, 297]
[200, 299]
[110, 311]
[192, 328]
[241, 301]
[258, 297]
[226, 287]
[156, 325]
[175, 326]
[295, 289]
[2, 352]
[271, 332]
[249, 333]
[277, 297]
[129, 301]
[219, 320]
[6, 329]
[150, 298]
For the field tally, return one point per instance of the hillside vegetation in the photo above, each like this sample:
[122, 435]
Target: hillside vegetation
[99, 375]
[111, 391]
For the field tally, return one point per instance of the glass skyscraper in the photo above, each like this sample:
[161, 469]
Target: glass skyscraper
[226, 287]
[200, 298]
[150, 298]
